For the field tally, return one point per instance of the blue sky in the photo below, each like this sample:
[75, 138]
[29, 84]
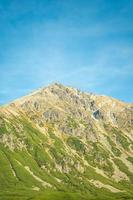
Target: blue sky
[87, 44]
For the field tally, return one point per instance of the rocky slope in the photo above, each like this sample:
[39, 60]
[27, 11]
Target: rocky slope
[59, 142]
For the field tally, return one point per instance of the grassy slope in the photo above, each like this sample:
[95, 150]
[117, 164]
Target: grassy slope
[20, 186]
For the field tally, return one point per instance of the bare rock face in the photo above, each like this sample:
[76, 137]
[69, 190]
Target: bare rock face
[55, 102]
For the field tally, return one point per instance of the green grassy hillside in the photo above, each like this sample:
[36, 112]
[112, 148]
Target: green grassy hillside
[45, 157]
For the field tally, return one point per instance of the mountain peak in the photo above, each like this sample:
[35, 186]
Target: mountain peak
[59, 100]
[61, 137]
[56, 84]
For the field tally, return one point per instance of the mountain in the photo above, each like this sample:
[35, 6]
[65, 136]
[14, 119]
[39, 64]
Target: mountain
[59, 143]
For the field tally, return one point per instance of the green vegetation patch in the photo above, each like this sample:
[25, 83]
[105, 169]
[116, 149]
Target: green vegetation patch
[130, 159]
[124, 168]
[76, 144]
[121, 139]
[98, 156]
[115, 150]
[72, 123]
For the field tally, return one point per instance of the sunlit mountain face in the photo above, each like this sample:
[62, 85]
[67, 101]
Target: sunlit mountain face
[59, 143]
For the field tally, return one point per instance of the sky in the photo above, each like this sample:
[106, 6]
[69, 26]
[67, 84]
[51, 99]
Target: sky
[87, 44]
